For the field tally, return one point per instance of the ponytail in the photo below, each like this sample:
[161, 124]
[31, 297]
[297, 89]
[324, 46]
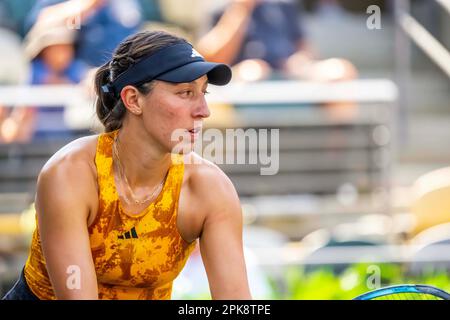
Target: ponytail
[110, 109]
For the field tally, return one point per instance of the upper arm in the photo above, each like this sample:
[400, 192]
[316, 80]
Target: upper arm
[62, 204]
[221, 238]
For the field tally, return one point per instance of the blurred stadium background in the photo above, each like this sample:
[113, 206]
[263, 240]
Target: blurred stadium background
[362, 196]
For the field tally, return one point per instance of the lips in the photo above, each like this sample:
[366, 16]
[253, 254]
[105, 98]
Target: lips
[194, 133]
[195, 130]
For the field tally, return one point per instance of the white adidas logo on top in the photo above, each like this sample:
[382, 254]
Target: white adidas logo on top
[195, 54]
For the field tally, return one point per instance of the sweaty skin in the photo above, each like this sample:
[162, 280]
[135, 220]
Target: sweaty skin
[67, 196]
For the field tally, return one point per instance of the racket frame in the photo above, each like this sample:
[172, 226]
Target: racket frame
[404, 288]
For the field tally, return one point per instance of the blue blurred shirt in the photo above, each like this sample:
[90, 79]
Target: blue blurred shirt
[74, 73]
[273, 34]
[50, 120]
[103, 31]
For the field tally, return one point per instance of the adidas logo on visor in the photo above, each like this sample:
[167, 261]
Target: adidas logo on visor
[196, 54]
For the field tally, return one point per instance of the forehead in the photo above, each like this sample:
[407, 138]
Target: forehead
[203, 80]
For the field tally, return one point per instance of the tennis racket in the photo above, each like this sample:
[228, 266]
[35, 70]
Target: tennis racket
[406, 292]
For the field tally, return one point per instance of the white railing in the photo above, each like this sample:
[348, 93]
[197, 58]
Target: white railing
[80, 110]
[425, 41]
[444, 4]
[421, 36]
[363, 91]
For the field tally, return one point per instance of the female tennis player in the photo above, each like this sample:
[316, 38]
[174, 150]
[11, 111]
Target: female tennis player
[119, 213]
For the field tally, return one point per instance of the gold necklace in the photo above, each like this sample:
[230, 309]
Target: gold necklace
[124, 177]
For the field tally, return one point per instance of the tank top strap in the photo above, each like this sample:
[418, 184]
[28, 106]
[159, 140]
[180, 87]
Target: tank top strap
[104, 164]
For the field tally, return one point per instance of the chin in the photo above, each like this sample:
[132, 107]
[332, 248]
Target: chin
[183, 147]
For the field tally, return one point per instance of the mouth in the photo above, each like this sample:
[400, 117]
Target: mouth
[195, 130]
[194, 133]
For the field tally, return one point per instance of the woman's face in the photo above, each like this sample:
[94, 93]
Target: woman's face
[58, 57]
[173, 113]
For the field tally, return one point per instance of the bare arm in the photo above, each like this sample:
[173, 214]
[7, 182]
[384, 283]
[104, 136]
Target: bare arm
[223, 42]
[221, 238]
[62, 201]
[68, 11]
[18, 126]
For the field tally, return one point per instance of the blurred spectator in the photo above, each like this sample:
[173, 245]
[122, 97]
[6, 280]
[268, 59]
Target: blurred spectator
[13, 69]
[188, 15]
[13, 64]
[259, 37]
[329, 8]
[151, 10]
[51, 52]
[13, 13]
[100, 24]
[65, 38]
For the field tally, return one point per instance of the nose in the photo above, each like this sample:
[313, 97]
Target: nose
[201, 109]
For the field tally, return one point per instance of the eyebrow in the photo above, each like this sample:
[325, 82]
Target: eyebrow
[205, 83]
[198, 81]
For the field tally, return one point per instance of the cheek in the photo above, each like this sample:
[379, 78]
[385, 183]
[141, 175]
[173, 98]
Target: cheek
[166, 117]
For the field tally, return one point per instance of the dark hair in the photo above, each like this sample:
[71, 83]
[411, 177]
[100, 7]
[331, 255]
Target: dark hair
[110, 109]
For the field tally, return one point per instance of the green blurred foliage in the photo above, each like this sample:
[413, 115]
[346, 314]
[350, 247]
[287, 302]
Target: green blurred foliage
[323, 283]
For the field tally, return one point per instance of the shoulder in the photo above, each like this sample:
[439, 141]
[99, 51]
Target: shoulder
[204, 175]
[74, 163]
[67, 184]
[209, 185]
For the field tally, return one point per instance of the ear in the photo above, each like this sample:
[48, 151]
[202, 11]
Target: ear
[130, 98]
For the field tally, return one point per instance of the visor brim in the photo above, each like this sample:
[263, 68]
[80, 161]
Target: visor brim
[218, 74]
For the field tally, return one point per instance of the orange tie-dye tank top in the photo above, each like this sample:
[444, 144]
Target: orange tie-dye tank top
[135, 256]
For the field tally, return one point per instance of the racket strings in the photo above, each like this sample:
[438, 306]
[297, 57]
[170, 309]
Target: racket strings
[406, 292]
[408, 296]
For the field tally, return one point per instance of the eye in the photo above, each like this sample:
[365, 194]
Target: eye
[186, 93]
[205, 92]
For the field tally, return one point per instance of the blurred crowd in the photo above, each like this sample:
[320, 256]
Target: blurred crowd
[56, 42]
[62, 41]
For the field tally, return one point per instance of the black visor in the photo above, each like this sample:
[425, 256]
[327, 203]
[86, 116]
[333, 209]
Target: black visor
[177, 63]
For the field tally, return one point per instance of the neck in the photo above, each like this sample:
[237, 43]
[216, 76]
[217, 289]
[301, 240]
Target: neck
[144, 164]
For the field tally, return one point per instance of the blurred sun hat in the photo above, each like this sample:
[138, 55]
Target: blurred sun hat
[43, 36]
